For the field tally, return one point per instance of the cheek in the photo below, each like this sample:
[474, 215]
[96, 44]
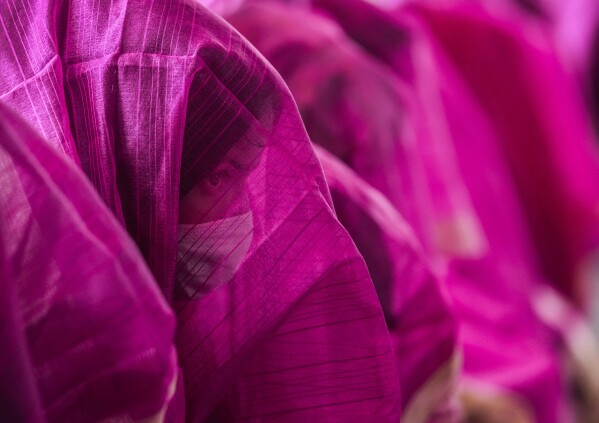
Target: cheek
[235, 201]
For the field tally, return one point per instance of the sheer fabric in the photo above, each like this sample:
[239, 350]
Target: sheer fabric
[415, 304]
[85, 333]
[368, 130]
[162, 103]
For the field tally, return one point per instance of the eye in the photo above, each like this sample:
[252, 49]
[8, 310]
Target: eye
[217, 178]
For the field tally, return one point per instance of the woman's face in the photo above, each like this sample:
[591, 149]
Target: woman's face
[223, 193]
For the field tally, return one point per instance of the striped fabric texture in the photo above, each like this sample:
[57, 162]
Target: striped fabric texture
[196, 146]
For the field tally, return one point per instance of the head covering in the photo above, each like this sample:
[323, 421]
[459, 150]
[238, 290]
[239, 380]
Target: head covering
[355, 109]
[415, 303]
[85, 333]
[164, 102]
[367, 116]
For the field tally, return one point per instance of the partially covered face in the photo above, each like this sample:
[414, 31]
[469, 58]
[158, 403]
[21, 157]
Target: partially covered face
[216, 222]
[223, 192]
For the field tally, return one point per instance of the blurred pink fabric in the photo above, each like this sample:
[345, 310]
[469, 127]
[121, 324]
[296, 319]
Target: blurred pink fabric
[495, 295]
[196, 145]
[371, 119]
[516, 292]
[85, 333]
[535, 107]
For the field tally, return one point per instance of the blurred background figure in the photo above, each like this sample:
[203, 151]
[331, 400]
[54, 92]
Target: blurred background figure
[432, 257]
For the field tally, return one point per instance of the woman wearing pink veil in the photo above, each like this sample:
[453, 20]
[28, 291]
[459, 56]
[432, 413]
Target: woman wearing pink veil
[85, 333]
[197, 147]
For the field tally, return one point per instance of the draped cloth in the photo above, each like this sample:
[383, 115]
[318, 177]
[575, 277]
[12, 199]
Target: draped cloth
[163, 103]
[414, 301]
[85, 333]
[541, 131]
[496, 296]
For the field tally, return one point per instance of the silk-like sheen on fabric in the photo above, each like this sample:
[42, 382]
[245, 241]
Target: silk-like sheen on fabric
[372, 118]
[85, 334]
[162, 102]
[508, 348]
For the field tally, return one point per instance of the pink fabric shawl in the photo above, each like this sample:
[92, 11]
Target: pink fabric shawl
[310, 52]
[84, 332]
[415, 304]
[160, 102]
